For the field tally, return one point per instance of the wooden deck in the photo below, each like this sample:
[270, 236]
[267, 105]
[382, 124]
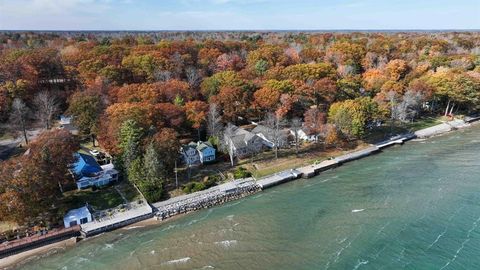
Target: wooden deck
[34, 241]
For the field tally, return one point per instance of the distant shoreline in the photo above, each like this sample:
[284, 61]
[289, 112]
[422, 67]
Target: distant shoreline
[244, 31]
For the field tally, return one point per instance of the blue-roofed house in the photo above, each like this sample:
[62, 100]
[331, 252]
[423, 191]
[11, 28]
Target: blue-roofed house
[89, 173]
[77, 216]
[85, 166]
[206, 152]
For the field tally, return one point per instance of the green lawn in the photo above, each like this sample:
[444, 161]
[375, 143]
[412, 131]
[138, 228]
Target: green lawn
[384, 132]
[100, 199]
[129, 191]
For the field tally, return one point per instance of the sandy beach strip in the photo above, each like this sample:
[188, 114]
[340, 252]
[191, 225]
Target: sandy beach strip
[18, 259]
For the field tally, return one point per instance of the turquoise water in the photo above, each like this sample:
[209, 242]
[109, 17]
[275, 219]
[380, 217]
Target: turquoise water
[415, 206]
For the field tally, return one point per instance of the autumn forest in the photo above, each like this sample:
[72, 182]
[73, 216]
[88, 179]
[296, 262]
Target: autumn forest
[140, 94]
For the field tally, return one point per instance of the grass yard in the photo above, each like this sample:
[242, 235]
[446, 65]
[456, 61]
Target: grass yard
[129, 191]
[289, 160]
[100, 199]
[384, 132]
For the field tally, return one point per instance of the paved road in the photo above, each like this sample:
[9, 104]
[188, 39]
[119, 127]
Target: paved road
[7, 146]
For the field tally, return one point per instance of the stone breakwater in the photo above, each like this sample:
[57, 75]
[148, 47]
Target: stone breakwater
[208, 198]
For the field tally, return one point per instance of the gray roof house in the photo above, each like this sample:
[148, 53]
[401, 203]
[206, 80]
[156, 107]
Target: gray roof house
[190, 154]
[244, 142]
[268, 136]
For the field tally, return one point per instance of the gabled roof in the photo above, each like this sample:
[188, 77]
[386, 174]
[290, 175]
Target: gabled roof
[263, 130]
[85, 165]
[77, 213]
[269, 132]
[203, 145]
[239, 141]
[190, 145]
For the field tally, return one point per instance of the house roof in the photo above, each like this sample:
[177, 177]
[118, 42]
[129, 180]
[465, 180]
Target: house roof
[263, 130]
[85, 165]
[203, 145]
[78, 213]
[269, 132]
[185, 147]
[239, 141]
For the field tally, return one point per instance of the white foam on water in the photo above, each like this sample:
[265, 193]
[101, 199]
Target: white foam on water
[152, 252]
[438, 238]
[226, 243]
[133, 227]
[357, 210]
[230, 217]
[192, 222]
[181, 260]
[169, 227]
[108, 246]
[360, 263]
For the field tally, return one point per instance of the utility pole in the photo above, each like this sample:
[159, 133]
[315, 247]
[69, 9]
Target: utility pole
[176, 175]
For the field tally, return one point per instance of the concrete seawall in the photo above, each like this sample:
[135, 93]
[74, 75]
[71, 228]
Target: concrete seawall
[443, 128]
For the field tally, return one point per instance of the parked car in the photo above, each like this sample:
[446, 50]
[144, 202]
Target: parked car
[95, 153]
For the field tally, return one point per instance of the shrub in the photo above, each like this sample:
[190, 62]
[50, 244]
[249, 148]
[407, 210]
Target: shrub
[241, 172]
[193, 187]
[211, 181]
[152, 191]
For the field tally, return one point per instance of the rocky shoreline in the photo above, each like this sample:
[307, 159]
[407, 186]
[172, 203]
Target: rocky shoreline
[216, 196]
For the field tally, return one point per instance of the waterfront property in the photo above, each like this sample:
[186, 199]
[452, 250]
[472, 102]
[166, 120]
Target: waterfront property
[206, 152]
[271, 137]
[303, 136]
[88, 172]
[243, 142]
[77, 216]
[190, 154]
[117, 218]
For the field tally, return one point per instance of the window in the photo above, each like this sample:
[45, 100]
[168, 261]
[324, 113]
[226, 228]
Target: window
[83, 220]
[73, 223]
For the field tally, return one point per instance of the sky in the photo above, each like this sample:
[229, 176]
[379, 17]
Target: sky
[238, 14]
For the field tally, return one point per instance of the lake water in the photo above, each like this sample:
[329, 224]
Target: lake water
[415, 206]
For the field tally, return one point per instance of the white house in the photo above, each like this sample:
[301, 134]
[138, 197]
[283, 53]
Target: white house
[77, 216]
[302, 135]
[206, 152]
[67, 124]
[89, 173]
[190, 154]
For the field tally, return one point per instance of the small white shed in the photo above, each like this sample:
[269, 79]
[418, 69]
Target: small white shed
[77, 216]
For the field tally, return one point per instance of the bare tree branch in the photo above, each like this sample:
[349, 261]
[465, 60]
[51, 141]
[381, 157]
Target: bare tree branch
[46, 108]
